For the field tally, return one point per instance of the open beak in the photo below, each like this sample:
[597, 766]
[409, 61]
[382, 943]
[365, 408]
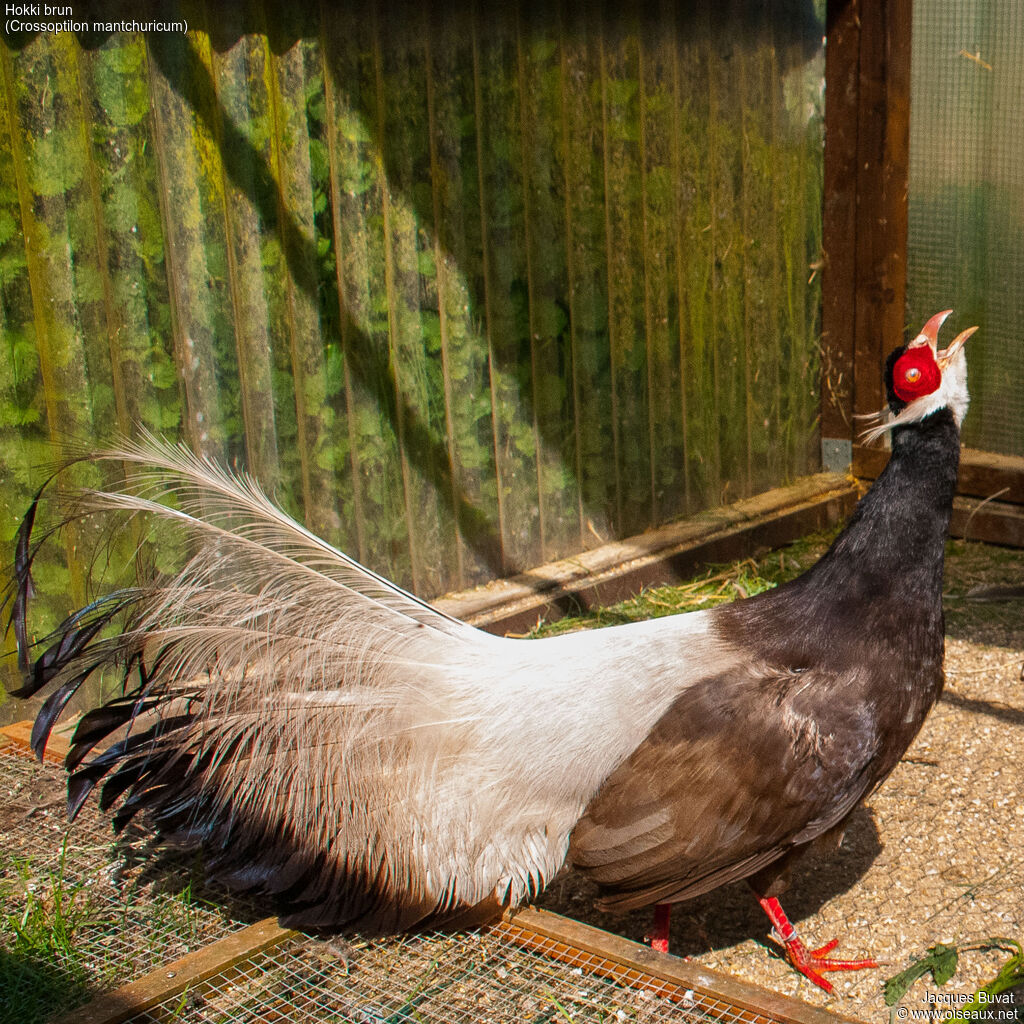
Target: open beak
[930, 332]
[930, 336]
[945, 357]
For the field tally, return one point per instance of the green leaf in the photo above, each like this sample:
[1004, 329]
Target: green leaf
[334, 366]
[1010, 975]
[945, 964]
[162, 371]
[56, 166]
[350, 125]
[940, 961]
[126, 59]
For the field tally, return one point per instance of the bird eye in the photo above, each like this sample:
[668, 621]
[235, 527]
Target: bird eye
[913, 375]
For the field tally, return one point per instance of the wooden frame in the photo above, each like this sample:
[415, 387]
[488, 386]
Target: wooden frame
[559, 938]
[990, 504]
[864, 285]
[867, 152]
[632, 962]
[555, 936]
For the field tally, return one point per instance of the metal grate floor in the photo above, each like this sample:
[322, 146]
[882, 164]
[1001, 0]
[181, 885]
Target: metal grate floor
[80, 908]
[100, 917]
[501, 975]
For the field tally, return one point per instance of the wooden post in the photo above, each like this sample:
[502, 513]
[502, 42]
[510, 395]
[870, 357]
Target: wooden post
[867, 133]
[838, 233]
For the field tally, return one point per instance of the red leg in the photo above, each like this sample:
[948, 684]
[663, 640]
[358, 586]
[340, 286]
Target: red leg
[659, 936]
[809, 962]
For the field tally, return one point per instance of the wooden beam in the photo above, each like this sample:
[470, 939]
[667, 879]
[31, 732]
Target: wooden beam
[988, 475]
[990, 502]
[19, 736]
[839, 213]
[633, 964]
[173, 978]
[556, 937]
[667, 554]
[982, 474]
[867, 155]
[883, 158]
[991, 521]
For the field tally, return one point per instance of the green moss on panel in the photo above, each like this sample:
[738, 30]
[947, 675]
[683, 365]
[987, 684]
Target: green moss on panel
[466, 292]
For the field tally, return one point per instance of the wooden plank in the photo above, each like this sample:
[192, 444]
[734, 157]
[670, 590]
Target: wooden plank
[883, 145]
[169, 980]
[301, 346]
[680, 154]
[241, 129]
[538, 75]
[402, 117]
[19, 736]
[46, 197]
[986, 474]
[622, 156]
[186, 155]
[982, 474]
[587, 277]
[732, 992]
[668, 553]
[997, 480]
[357, 186]
[134, 286]
[869, 462]
[497, 111]
[839, 212]
[991, 521]
[662, 207]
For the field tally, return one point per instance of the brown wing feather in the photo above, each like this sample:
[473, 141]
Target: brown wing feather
[739, 771]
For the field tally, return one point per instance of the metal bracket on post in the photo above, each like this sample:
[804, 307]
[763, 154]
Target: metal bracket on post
[836, 454]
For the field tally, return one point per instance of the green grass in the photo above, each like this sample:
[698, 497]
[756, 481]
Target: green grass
[718, 584]
[968, 564]
[65, 930]
[42, 968]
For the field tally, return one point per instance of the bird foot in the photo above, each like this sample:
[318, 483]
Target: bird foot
[811, 963]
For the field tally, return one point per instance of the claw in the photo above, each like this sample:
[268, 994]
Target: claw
[822, 950]
[811, 963]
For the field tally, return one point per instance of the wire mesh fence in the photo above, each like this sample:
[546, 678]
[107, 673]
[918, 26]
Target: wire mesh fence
[966, 178]
[502, 975]
[84, 914]
[81, 912]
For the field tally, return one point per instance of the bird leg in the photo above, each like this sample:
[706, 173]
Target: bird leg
[809, 962]
[659, 935]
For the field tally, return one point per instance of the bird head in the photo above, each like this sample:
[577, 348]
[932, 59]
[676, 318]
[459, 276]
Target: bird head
[921, 379]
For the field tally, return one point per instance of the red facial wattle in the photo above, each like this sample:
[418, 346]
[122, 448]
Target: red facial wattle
[916, 373]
